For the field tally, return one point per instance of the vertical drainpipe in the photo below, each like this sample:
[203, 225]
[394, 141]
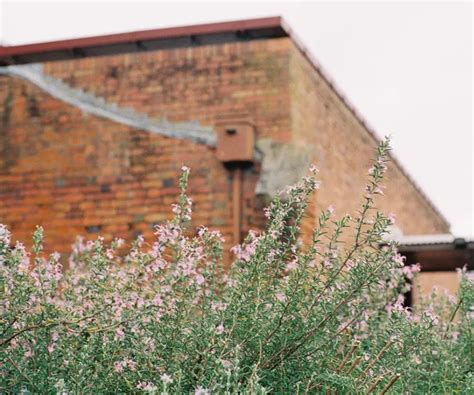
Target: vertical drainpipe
[237, 205]
[235, 149]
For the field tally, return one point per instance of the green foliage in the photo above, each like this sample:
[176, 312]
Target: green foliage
[325, 316]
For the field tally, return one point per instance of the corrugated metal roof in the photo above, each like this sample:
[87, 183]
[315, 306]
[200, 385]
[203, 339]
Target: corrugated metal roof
[436, 239]
[438, 253]
[425, 239]
[193, 35]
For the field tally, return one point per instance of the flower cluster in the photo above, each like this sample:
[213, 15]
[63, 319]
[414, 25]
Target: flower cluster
[325, 314]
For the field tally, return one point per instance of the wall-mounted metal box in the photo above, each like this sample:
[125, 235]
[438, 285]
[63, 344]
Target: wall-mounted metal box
[235, 141]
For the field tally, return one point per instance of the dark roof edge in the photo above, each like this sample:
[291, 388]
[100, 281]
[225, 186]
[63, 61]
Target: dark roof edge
[143, 35]
[351, 107]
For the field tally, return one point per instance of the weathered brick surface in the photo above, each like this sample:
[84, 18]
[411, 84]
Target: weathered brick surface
[343, 150]
[203, 83]
[75, 173]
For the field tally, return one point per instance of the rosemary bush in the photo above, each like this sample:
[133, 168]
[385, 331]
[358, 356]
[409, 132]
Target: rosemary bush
[287, 317]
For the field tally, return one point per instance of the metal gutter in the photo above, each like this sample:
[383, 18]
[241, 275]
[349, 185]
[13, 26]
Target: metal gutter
[434, 242]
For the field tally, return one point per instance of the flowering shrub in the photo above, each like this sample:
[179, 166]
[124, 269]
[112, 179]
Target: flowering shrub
[287, 317]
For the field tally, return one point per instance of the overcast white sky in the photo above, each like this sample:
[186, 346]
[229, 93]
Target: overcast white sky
[406, 66]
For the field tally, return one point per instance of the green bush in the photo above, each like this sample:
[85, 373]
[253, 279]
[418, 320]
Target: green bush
[324, 316]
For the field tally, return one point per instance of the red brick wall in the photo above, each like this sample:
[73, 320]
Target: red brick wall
[199, 83]
[76, 173]
[72, 173]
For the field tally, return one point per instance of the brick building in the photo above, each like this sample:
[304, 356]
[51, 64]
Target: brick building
[93, 133]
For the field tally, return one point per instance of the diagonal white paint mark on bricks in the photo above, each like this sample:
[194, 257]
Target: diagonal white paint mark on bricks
[98, 106]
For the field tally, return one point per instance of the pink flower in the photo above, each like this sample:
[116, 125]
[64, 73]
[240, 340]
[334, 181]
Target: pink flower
[129, 363]
[392, 218]
[245, 251]
[229, 282]
[118, 367]
[274, 235]
[5, 235]
[432, 316]
[219, 330]
[157, 301]
[292, 265]
[451, 298]
[119, 242]
[110, 253]
[281, 297]
[218, 306]
[140, 303]
[166, 233]
[267, 212]
[147, 386]
[200, 280]
[202, 230]
[344, 325]
[378, 191]
[327, 263]
[408, 271]
[350, 264]
[119, 333]
[201, 391]
[24, 264]
[166, 379]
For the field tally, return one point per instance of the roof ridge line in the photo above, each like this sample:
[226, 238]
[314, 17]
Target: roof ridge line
[98, 106]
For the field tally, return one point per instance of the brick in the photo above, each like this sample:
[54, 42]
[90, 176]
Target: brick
[77, 173]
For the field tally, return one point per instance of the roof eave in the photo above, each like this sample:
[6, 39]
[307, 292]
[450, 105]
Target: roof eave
[13, 54]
